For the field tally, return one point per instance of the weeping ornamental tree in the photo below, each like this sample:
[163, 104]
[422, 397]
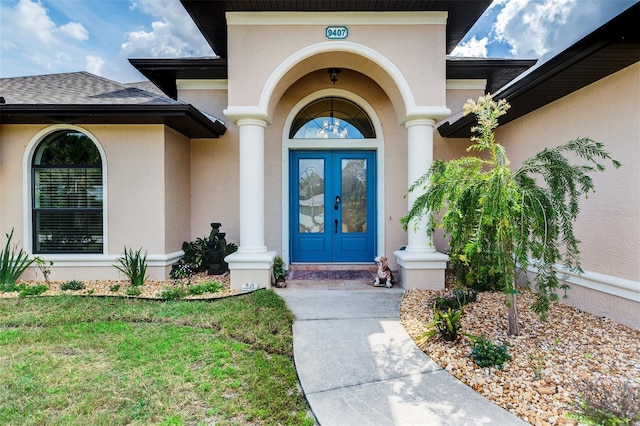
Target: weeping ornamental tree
[510, 220]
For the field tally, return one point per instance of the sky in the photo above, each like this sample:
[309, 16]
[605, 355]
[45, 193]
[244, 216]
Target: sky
[98, 36]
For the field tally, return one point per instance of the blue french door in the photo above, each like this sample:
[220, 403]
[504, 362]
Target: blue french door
[333, 214]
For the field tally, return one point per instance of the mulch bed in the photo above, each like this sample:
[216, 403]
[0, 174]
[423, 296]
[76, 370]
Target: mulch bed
[571, 351]
[150, 289]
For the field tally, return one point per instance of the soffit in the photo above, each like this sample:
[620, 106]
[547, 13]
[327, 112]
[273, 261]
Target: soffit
[209, 15]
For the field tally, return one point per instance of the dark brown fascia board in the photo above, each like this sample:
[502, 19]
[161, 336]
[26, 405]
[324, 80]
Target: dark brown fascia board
[497, 71]
[164, 72]
[185, 119]
[209, 16]
[620, 30]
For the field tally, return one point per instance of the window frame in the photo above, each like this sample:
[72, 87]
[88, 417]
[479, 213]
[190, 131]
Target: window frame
[29, 200]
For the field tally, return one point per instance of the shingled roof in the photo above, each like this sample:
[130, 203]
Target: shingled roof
[85, 98]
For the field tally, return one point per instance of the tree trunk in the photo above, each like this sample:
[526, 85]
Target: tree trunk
[514, 328]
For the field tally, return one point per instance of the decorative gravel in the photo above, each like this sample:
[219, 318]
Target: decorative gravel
[575, 348]
[150, 289]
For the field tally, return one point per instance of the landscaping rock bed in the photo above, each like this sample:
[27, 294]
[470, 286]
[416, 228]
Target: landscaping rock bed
[552, 362]
[150, 289]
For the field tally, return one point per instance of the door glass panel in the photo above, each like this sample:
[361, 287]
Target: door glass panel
[311, 195]
[354, 195]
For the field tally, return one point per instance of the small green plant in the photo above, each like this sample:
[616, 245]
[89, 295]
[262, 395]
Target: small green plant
[488, 354]
[72, 285]
[608, 403]
[173, 293]
[45, 267]
[33, 290]
[445, 323]
[114, 288]
[13, 262]
[538, 359]
[181, 271]
[210, 286]
[279, 270]
[195, 254]
[134, 290]
[456, 299]
[134, 265]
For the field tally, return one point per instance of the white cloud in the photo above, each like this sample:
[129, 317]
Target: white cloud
[473, 48]
[32, 21]
[32, 43]
[530, 27]
[94, 64]
[75, 30]
[173, 34]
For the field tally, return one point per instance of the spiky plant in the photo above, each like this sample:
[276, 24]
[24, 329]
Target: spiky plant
[509, 219]
[13, 262]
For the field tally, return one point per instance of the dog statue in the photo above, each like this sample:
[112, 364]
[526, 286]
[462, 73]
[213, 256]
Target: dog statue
[384, 277]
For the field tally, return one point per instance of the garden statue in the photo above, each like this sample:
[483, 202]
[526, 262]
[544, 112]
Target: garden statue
[217, 247]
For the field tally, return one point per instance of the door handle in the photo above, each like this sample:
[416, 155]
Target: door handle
[335, 221]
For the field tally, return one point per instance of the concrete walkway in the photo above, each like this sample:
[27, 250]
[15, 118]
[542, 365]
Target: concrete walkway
[358, 366]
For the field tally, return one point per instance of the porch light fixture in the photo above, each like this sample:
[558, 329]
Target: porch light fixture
[333, 74]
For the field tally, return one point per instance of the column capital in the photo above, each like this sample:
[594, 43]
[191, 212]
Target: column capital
[432, 113]
[241, 115]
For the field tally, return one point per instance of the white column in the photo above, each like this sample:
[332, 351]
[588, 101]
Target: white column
[420, 266]
[252, 238]
[420, 157]
[251, 265]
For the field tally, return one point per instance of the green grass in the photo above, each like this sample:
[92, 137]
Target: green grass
[76, 361]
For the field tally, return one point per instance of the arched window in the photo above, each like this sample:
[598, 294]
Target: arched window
[332, 118]
[67, 195]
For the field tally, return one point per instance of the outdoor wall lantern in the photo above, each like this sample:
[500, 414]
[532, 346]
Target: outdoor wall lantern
[333, 74]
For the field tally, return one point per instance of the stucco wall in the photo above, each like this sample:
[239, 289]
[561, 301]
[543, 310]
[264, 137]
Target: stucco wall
[608, 226]
[214, 170]
[606, 111]
[135, 214]
[177, 196]
[255, 51]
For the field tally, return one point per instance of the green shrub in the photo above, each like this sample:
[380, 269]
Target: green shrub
[45, 267]
[488, 354]
[114, 288]
[195, 255]
[445, 323]
[173, 293]
[210, 286]
[134, 290]
[72, 285]
[33, 290]
[608, 404]
[456, 299]
[13, 262]
[134, 265]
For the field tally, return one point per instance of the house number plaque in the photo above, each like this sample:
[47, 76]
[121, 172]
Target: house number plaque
[337, 33]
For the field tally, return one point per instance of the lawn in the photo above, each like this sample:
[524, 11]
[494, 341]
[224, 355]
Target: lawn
[110, 361]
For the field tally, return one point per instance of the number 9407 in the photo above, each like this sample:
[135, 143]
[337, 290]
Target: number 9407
[337, 32]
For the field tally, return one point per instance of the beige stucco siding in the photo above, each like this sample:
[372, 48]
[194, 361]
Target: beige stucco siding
[135, 185]
[147, 189]
[606, 111]
[14, 139]
[214, 170]
[254, 55]
[177, 183]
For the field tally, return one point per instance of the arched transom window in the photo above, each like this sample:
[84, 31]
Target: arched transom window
[67, 195]
[332, 118]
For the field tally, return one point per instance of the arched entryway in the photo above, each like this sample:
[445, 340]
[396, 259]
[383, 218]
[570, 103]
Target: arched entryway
[332, 145]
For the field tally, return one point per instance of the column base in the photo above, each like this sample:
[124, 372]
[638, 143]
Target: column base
[250, 268]
[421, 270]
